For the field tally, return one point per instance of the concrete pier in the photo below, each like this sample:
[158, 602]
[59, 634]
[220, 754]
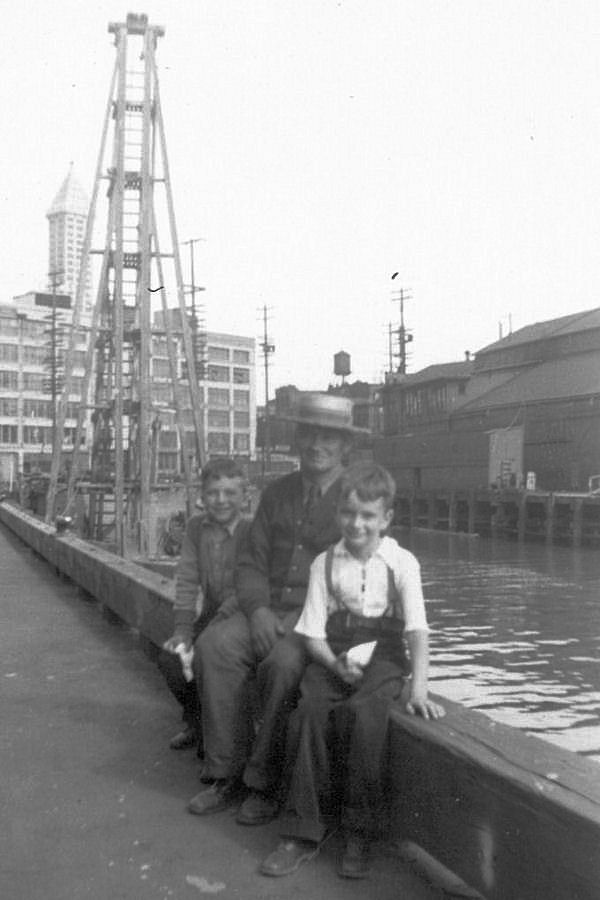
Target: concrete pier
[93, 801]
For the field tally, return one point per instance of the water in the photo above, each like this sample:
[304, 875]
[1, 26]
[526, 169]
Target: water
[516, 632]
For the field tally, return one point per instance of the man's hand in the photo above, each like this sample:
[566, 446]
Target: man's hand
[350, 672]
[265, 630]
[173, 642]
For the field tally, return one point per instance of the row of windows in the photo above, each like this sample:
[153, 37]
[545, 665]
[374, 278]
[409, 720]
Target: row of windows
[161, 369]
[218, 418]
[218, 442]
[223, 354]
[34, 409]
[222, 373]
[34, 381]
[162, 393]
[32, 434]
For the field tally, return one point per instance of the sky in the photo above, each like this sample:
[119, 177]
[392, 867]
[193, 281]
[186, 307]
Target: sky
[317, 147]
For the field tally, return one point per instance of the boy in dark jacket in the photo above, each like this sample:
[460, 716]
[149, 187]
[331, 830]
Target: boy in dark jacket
[204, 585]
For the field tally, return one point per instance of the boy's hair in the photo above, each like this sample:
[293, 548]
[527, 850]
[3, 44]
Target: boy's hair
[370, 482]
[222, 467]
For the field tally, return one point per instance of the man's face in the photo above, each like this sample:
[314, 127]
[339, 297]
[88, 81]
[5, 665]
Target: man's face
[321, 449]
[223, 499]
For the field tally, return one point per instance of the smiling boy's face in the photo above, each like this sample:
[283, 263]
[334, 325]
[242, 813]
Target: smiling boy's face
[224, 498]
[362, 522]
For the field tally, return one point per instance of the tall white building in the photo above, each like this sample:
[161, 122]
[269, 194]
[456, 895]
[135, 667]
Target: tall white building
[66, 219]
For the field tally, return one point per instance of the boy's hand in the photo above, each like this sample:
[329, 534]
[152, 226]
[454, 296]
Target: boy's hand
[350, 672]
[419, 703]
[265, 629]
[173, 642]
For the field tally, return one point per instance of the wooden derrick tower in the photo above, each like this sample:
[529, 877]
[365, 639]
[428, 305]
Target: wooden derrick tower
[135, 276]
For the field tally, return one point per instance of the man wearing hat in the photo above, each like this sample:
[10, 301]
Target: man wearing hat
[294, 522]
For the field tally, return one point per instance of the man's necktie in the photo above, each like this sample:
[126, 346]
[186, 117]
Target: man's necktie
[313, 496]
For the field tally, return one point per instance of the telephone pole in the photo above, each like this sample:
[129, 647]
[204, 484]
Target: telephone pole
[267, 349]
[403, 335]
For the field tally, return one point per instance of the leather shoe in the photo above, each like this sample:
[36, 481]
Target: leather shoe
[221, 794]
[356, 861]
[184, 739]
[288, 857]
[257, 809]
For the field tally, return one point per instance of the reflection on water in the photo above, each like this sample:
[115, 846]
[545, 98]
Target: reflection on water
[516, 632]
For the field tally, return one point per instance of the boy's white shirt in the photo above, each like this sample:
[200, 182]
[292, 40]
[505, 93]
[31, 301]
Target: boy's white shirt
[348, 574]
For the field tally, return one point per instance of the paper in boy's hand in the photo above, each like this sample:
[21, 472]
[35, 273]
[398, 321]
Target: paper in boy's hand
[362, 653]
[186, 657]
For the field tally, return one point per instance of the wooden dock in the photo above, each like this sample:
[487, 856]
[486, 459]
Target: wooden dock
[551, 517]
[509, 815]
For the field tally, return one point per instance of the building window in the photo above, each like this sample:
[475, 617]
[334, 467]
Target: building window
[241, 400]
[8, 406]
[37, 409]
[218, 442]
[9, 352]
[33, 434]
[8, 434]
[9, 326]
[218, 354]
[36, 356]
[167, 440]
[218, 418]
[241, 356]
[218, 373]
[241, 420]
[34, 329]
[160, 368]
[8, 381]
[80, 359]
[241, 443]
[167, 462]
[218, 396]
[241, 376]
[162, 393]
[159, 347]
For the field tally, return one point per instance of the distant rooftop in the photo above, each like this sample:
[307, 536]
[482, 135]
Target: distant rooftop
[551, 328]
[440, 372]
[71, 197]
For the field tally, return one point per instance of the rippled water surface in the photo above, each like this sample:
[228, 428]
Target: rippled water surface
[516, 632]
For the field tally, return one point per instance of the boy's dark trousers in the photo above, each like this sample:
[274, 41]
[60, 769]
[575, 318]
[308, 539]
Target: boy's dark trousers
[185, 692]
[337, 750]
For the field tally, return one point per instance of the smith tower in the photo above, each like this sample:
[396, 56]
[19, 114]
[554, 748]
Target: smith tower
[67, 218]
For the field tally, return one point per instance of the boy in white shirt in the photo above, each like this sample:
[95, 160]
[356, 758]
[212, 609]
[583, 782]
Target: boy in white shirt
[365, 589]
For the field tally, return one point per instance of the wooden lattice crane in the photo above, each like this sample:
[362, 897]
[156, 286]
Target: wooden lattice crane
[117, 381]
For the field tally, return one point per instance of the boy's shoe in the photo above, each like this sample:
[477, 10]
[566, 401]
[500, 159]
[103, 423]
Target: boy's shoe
[288, 857]
[220, 795]
[356, 861]
[184, 739]
[257, 809]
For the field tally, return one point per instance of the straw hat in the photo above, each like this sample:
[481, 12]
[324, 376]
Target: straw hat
[324, 411]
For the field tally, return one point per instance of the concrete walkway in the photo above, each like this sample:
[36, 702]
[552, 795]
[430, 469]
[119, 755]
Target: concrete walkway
[92, 800]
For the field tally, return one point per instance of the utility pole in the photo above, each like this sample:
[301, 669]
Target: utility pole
[56, 279]
[404, 335]
[267, 349]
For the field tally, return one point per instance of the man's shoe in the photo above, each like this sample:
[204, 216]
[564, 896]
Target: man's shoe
[185, 739]
[221, 794]
[257, 809]
[288, 857]
[356, 861]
